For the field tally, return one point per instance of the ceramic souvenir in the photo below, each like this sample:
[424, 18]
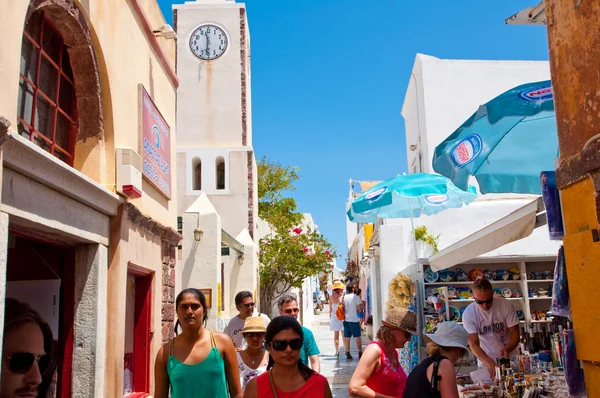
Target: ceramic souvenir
[520, 315]
[502, 275]
[548, 275]
[532, 293]
[445, 275]
[542, 293]
[462, 311]
[515, 274]
[506, 292]
[476, 274]
[451, 292]
[460, 275]
[497, 291]
[454, 314]
[541, 315]
[530, 276]
[489, 274]
[430, 275]
[517, 293]
[534, 316]
[465, 295]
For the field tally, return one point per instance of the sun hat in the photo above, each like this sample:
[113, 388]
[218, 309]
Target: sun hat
[401, 318]
[449, 334]
[337, 285]
[254, 324]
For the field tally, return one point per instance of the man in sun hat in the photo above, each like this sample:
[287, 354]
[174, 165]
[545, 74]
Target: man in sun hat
[379, 370]
[445, 347]
[493, 326]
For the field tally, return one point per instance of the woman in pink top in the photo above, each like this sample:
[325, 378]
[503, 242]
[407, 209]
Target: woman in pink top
[379, 373]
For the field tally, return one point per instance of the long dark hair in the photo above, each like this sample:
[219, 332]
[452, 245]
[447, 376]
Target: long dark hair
[285, 322]
[200, 296]
[17, 314]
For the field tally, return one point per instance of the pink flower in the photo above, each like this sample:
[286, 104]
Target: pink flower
[327, 252]
[305, 249]
[297, 230]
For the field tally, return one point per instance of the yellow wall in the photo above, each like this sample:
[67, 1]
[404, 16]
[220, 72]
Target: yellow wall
[368, 233]
[125, 59]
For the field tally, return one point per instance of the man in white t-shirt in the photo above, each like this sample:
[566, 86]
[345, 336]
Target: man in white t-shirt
[493, 326]
[244, 302]
[352, 306]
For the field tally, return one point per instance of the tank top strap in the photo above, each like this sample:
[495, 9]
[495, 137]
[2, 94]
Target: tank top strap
[213, 343]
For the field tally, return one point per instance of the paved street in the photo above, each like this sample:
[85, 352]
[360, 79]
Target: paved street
[338, 371]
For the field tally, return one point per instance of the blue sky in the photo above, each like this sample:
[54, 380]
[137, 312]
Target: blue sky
[329, 79]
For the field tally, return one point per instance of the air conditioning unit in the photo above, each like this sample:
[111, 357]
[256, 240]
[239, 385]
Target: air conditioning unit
[129, 173]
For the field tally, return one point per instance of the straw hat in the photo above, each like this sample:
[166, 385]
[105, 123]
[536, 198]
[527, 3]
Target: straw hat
[254, 324]
[401, 318]
[337, 285]
[449, 334]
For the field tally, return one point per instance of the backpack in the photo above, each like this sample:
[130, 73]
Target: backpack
[340, 312]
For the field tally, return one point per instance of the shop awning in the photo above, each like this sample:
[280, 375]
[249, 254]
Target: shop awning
[517, 225]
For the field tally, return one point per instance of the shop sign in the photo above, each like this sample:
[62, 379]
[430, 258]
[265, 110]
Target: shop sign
[155, 145]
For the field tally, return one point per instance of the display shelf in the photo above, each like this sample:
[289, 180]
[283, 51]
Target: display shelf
[472, 300]
[541, 298]
[469, 283]
[540, 280]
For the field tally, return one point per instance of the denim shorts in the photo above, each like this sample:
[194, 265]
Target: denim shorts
[351, 329]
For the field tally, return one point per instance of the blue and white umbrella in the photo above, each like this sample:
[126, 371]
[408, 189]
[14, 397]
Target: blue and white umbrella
[409, 196]
[506, 144]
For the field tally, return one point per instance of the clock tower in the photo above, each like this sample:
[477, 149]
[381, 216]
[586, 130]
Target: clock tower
[214, 128]
[214, 139]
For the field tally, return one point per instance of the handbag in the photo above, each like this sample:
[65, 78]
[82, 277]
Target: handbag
[273, 389]
[340, 312]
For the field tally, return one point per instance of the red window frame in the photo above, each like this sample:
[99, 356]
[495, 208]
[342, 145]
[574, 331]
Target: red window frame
[65, 154]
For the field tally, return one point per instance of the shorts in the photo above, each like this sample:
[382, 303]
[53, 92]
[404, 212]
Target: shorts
[351, 329]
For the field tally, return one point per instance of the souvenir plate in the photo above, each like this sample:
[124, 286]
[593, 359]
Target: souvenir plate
[476, 274]
[431, 276]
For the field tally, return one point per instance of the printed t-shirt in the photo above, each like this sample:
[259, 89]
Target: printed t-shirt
[236, 325]
[309, 346]
[491, 326]
[350, 302]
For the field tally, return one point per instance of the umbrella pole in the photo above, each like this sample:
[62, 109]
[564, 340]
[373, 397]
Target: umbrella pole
[412, 224]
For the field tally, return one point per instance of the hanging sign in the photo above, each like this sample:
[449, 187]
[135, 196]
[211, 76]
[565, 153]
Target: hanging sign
[155, 145]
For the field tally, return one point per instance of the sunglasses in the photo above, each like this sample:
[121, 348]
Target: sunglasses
[248, 305]
[254, 334]
[21, 362]
[281, 345]
[482, 302]
[292, 310]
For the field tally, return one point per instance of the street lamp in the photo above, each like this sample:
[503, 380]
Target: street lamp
[198, 234]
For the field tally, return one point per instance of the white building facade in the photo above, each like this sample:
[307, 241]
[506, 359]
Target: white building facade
[440, 96]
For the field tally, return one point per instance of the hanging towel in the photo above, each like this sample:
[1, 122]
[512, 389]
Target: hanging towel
[551, 199]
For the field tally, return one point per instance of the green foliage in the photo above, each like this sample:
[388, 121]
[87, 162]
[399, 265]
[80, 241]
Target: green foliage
[352, 270]
[291, 252]
[422, 234]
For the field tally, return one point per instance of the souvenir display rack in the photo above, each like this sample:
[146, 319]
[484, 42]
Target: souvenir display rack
[530, 289]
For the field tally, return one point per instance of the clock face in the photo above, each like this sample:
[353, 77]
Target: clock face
[208, 42]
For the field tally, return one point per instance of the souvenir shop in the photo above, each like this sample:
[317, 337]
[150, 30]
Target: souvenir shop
[438, 288]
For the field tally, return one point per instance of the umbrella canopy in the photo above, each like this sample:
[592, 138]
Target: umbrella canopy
[408, 196]
[506, 144]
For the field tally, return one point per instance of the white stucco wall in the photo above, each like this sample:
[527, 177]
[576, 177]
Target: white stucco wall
[443, 93]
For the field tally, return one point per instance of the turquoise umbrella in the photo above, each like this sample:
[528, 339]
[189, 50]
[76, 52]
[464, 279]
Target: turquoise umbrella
[506, 144]
[409, 196]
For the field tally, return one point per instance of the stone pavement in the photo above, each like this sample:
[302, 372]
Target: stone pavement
[337, 370]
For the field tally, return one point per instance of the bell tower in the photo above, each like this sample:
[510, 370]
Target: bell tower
[214, 138]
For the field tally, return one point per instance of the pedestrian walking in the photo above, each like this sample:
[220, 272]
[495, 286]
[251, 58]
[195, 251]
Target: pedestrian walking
[244, 303]
[253, 360]
[288, 305]
[352, 307]
[27, 366]
[379, 371]
[435, 377]
[287, 375]
[197, 362]
[336, 325]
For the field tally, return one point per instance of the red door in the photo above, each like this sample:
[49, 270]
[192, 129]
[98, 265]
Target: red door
[142, 334]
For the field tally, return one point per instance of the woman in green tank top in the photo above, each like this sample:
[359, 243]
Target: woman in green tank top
[198, 362]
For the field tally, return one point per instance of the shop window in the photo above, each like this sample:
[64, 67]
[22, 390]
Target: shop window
[47, 109]
[220, 173]
[197, 175]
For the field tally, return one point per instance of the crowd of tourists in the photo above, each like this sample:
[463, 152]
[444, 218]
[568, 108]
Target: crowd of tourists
[260, 357]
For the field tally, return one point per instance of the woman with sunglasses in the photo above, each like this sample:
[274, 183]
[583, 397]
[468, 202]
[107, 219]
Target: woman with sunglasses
[253, 360]
[198, 362]
[435, 377]
[287, 375]
[379, 373]
[26, 349]
[335, 325]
